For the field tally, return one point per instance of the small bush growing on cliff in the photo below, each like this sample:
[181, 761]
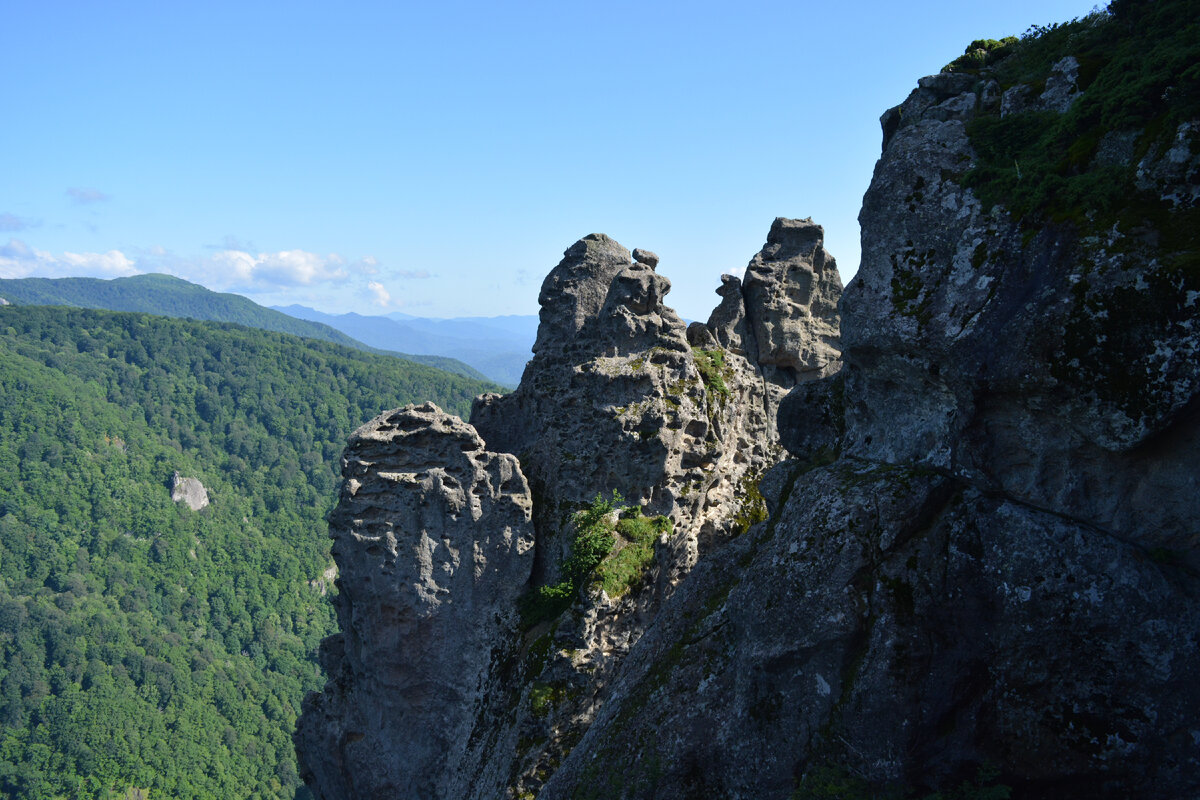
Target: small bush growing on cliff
[1139, 72]
[622, 570]
[753, 508]
[980, 53]
[593, 537]
[592, 553]
[711, 364]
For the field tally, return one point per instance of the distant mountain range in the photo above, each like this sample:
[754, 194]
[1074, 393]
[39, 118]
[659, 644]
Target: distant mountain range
[169, 296]
[498, 347]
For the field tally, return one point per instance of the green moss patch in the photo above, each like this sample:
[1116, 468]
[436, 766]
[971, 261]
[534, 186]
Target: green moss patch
[615, 554]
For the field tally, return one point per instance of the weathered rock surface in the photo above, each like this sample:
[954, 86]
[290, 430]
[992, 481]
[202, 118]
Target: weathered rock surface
[434, 542]
[1000, 569]
[791, 292]
[189, 491]
[616, 398]
[899, 627]
[983, 551]
[620, 396]
[1038, 363]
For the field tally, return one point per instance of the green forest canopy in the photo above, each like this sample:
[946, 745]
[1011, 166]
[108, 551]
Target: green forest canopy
[143, 644]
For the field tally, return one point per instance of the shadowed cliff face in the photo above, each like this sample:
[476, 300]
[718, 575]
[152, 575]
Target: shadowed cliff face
[433, 540]
[1048, 363]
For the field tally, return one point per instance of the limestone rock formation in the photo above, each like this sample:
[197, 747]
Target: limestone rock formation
[189, 491]
[978, 568]
[998, 571]
[1036, 362]
[777, 329]
[433, 539]
[620, 396]
[896, 627]
[791, 294]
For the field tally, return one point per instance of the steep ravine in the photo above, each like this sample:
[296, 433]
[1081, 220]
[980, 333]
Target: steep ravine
[975, 567]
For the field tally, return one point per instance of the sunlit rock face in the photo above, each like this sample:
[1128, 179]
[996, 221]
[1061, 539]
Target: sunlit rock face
[620, 397]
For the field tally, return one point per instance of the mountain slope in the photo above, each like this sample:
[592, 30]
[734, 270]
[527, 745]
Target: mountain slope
[143, 644]
[175, 297]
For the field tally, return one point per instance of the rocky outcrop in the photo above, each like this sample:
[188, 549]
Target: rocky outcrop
[998, 571]
[434, 542]
[977, 574]
[189, 491]
[1037, 362]
[791, 294]
[776, 329]
[620, 397]
[894, 627]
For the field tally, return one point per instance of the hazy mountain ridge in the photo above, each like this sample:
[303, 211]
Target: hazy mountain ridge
[175, 297]
[498, 347]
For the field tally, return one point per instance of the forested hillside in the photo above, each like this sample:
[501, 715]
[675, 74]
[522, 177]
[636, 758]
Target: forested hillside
[143, 644]
[175, 297]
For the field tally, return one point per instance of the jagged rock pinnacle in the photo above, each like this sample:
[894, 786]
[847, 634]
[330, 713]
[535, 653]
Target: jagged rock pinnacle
[433, 540]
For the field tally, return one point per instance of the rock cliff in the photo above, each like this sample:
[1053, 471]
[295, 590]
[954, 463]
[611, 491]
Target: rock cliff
[975, 570]
[621, 401]
[189, 491]
[995, 582]
[433, 539]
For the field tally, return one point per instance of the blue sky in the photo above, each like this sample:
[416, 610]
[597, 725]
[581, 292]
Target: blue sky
[437, 159]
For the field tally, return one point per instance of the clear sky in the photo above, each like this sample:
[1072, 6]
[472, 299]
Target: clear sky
[437, 158]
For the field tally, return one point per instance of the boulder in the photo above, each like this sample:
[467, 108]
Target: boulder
[189, 491]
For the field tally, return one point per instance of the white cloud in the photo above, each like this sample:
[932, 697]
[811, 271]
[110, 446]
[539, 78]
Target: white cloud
[237, 268]
[298, 268]
[11, 222]
[327, 282]
[114, 262]
[382, 296]
[19, 260]
[83, 196]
